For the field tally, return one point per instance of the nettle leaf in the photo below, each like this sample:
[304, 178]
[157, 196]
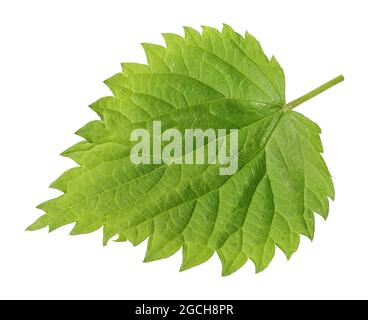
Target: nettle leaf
[203, 80]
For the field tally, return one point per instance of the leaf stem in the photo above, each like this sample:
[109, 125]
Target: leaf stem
[315, 92]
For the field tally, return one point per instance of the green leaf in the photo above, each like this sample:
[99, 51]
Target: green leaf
[212, 79]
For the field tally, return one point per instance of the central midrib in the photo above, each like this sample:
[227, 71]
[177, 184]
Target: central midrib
[193, 198]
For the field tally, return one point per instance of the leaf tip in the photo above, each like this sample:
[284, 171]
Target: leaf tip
[183, 268]
[226, 27]
[147, 259]
[226, 273]
[259, 269]
[40, 223]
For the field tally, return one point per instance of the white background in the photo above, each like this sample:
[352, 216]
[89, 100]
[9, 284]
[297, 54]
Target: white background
[54, 56]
